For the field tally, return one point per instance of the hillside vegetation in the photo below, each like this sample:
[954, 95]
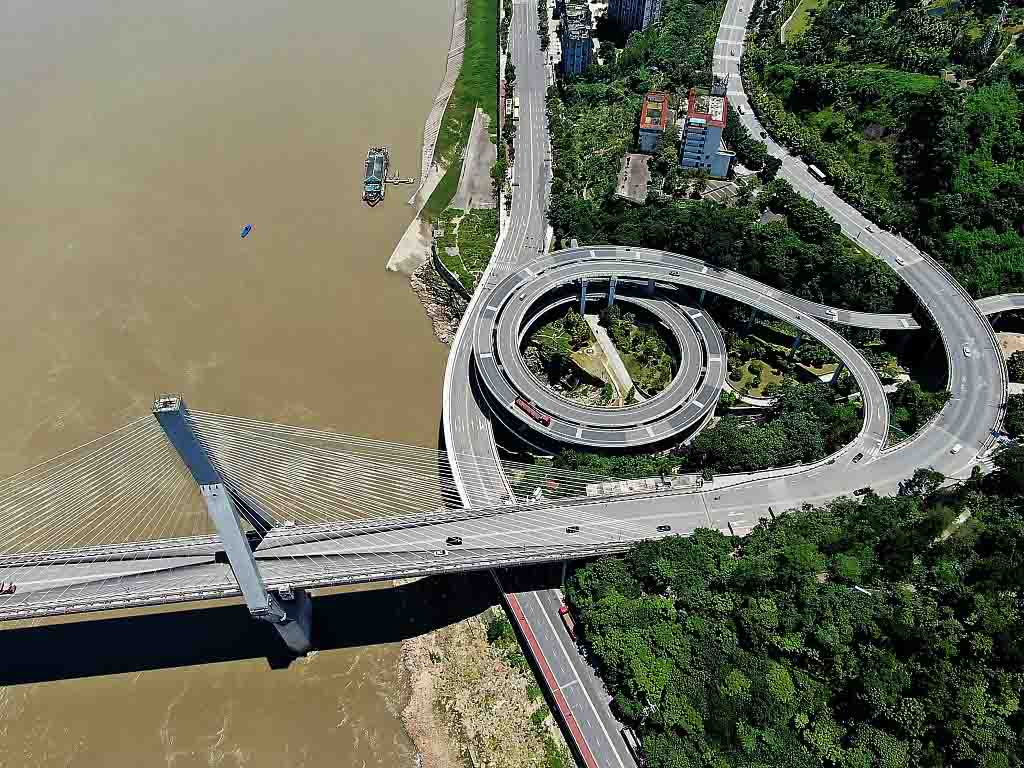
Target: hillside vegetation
[854, 634]
[860, 94]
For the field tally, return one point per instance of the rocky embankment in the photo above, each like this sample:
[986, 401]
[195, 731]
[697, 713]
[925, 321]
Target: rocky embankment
[444, 306]
[475, 703]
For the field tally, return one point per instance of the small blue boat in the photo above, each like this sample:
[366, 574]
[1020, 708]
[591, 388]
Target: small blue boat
[246, 230]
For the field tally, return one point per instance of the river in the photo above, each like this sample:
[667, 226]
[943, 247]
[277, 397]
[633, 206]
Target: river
[138, 139]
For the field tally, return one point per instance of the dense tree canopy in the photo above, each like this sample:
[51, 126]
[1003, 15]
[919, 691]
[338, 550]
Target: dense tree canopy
[859, 94]
[851, 634]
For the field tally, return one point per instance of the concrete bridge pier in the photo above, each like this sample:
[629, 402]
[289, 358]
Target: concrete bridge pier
[700, 299]
[583, 296]
[754, 314]
[838, 373]
[611, 290]
[650, 287]
[796, 343]
[290, 611]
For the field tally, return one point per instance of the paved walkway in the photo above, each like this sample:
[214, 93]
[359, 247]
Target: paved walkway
[617, 369]
[475, 187]
[444, 92]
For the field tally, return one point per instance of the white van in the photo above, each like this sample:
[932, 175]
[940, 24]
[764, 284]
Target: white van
[955, 449]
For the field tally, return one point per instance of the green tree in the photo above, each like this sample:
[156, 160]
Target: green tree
[771, 168]
[1014, 422]
[1015, 366]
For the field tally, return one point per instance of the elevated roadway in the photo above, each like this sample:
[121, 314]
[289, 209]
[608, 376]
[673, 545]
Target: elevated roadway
[510, 304]
[1005, 302]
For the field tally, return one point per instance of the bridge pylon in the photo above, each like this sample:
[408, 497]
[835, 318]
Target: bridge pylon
[290, 611]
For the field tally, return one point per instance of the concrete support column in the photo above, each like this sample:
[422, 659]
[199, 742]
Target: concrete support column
[611, 290]
[796, 343]
[700, 298]
[583, 296]
[650, 287]
[290, 611]
[754, 314]
[838, 373]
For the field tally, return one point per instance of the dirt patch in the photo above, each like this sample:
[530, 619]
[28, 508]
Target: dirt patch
[1010, 343]
[472, 703]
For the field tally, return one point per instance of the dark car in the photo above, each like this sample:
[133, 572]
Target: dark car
[858, 457]
[573, 529]
[663, 528]
[862, 491]
[454, 540]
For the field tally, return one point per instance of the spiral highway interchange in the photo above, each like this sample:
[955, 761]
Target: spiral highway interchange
[693, 394]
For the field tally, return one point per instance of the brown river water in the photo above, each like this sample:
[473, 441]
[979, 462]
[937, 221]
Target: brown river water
[138, 138]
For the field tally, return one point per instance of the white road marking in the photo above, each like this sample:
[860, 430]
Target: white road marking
[583, 688]
[485, 354]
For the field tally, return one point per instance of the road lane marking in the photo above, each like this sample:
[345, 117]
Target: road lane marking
[650, 431]
[697, 403]
[583, 688]
[485, 354]
[579, 431]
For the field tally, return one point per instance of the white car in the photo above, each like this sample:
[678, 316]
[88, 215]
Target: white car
[967, 351]
[900, 261]
[831, 312]
[439, 552]
[955, 449]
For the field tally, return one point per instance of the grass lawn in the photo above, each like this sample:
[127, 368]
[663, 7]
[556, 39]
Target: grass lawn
[474, 233]
[768, 377]
[478, 232]
[802, 17]
[477, 86]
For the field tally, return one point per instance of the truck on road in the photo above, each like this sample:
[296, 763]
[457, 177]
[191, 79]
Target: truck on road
[570, 625]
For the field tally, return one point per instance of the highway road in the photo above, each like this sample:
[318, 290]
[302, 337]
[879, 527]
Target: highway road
[990, 305]
[467, 427]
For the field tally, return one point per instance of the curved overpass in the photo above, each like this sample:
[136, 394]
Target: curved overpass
[1005, 302]
[498, 333]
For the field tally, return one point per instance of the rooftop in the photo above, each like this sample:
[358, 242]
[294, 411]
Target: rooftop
[576, 21]
[654, 114]
[712, 109]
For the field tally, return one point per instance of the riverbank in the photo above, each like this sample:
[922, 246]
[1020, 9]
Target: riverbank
[458, 152]
[472, 699]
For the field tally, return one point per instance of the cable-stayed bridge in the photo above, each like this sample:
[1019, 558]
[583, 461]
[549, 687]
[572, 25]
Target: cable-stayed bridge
[187, 505]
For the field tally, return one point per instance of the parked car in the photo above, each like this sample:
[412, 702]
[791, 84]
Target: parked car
[573, 529]
[967, 351]
[454, 540]
[439, 552]
[862, 491]
[857, 458]
[900, 261]
[663, 528]
[956, 449]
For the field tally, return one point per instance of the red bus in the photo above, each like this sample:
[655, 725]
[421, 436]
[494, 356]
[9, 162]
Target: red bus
[531, 410]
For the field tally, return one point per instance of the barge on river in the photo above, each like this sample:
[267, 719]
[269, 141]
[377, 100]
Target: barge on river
[375, 181]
